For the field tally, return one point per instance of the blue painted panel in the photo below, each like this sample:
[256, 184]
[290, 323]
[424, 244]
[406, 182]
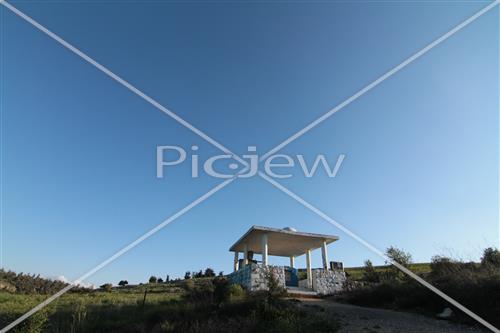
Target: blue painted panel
[241, 276]
[291, 277]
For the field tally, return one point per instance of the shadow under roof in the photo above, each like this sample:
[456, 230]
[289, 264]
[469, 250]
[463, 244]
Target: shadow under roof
[281, 242]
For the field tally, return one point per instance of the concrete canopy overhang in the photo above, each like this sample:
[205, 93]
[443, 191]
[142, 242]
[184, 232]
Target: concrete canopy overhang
[281, 242]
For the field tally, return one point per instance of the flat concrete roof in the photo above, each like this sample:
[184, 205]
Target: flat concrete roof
[281, 242]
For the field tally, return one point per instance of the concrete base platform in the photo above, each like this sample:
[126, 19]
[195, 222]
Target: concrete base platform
[301, 292]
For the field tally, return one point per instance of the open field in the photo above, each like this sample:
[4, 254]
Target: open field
[195, 305]
[71, 309]
[356, 273]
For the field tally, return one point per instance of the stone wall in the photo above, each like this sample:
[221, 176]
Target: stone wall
[326, 282]
[260, 276]
[242, 277]
[254, 277]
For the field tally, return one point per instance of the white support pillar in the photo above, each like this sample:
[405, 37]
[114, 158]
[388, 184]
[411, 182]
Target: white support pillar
[324, 252]
[292, 261]
[264, 249]
[245, 255]
[309, 270]
[236, 259]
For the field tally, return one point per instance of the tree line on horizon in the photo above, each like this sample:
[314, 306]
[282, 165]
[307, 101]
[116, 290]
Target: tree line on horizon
[207, 273]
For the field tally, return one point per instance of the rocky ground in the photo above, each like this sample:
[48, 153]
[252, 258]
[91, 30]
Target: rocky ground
[356, 319]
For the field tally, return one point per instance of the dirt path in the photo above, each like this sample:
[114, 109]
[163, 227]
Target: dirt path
[356, 319]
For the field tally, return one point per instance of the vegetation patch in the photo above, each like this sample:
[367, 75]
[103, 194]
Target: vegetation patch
[193, 305]
[475, 285]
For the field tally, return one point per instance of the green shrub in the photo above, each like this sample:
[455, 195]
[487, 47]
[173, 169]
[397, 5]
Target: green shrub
[123, 283]
[106, 287]
[29, 284]
[476, 286]
[221, 290]
[203, 292]
[274, 287]
[370, 274]
[188, 285]
[34, 324]
[443, 266]
[209, 272]
[236, 291]
[491, 257]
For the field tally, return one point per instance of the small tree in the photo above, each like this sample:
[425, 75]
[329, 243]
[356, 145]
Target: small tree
[123, 283]
[221, 274]
[490, 258]
[167, 280]
[160, 280]
[153, 279]
[399, 256]
[187, 276]
[370, 274]
[209, 272]
[107, 287]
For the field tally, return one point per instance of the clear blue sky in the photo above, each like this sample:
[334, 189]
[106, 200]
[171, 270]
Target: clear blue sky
[78, 168]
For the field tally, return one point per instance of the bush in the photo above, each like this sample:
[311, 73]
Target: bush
[285, 316]
[123, 283]
[491, 258]
[274, 288]
[476, 286]
[369, 274]
[106, 287]
[188, 285]
[201, 293]
[34, 324]
[29, 284]
[153, 279]
[209, 272]
[236, 291]
[221, 290]
[443, 266]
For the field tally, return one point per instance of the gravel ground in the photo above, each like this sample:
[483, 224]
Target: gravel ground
[356, 319]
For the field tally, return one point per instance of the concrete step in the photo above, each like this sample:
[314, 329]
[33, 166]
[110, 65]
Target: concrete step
[301, 292]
